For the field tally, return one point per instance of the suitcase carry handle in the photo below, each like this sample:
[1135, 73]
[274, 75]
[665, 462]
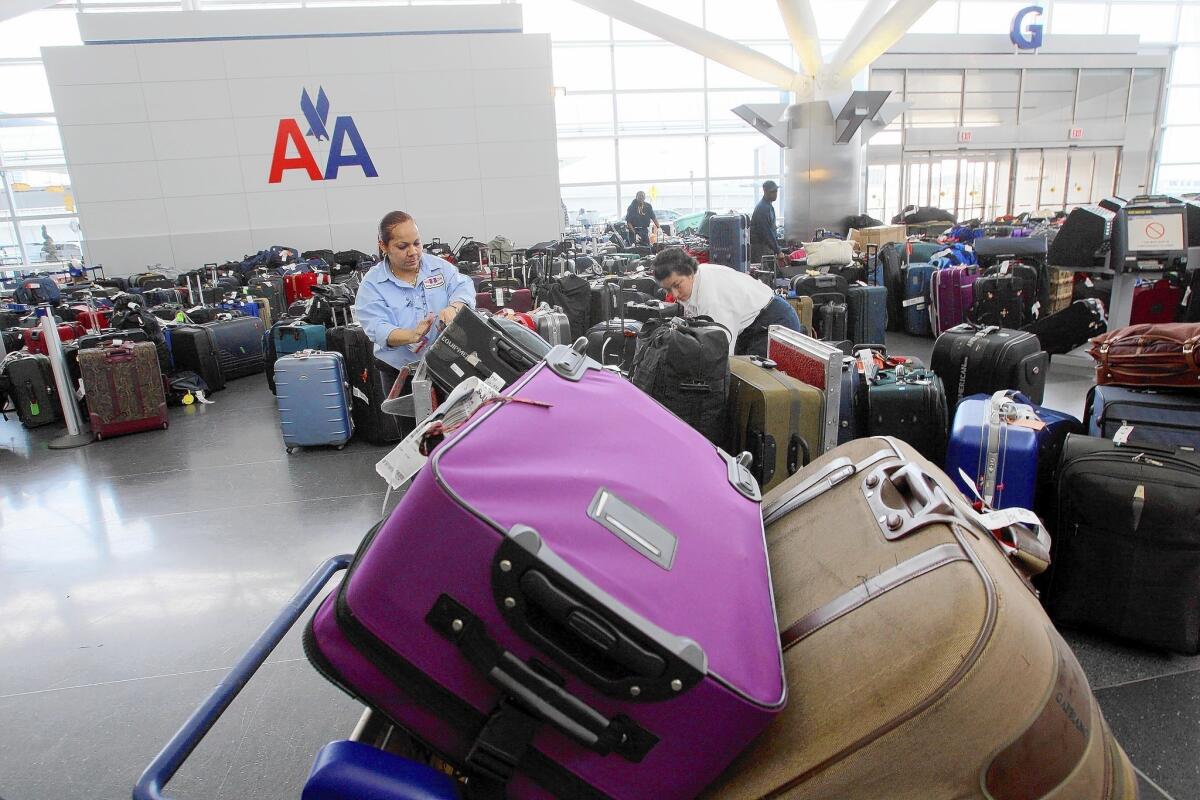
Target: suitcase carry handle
[185, 740]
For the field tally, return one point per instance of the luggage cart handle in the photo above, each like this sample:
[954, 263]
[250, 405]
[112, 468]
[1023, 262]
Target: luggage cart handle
[185, 740]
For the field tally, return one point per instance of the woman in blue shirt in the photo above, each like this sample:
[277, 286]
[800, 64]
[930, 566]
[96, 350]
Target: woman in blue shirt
[408, 297]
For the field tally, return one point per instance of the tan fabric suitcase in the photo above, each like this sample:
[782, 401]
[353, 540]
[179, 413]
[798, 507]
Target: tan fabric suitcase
[920, 664]
[803, 307]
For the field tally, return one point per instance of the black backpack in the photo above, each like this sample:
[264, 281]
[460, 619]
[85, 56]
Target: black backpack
[684, 364]
[573, 294]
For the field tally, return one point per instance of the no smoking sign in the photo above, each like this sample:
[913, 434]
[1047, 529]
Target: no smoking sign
[1155, 230]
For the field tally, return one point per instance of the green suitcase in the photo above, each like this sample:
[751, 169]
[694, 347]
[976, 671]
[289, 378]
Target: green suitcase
[774, 417]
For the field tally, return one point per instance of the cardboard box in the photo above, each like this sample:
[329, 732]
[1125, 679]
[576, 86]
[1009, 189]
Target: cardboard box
[877, 235]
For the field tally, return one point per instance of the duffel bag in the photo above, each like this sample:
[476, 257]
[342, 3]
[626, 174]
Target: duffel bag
[1149, 355]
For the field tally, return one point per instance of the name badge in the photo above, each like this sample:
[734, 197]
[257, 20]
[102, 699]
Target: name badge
[435, 281]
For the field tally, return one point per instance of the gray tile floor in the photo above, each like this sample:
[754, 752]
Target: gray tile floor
[134, 572]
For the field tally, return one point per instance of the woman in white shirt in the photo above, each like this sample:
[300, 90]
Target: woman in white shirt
[744, 305]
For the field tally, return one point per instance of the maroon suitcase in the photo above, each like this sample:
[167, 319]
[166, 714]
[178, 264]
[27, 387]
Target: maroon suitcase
[124, 388]
[1155, 303]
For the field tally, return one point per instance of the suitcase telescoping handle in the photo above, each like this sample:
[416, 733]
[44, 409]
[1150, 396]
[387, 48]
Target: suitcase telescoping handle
[150, 785]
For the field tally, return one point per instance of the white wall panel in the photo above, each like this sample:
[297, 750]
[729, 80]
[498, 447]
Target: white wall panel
[444, 126]
[183, 100]
[256, 134]
[98, 104]
[74, 66]
[128, 218]
[521, 226]
[360, 55]
[306, 237]
[354, 235]
[417, 91]
[364, 203]
[352, 94]
[192, 250]
[170, 62]
[513, 87]
[194, 177]
[211, 213]
[130, 180]
[449, 227]
[288, 209]
[429, 53]
[447, 162]
[107, 144]
[267, 58]
[444, 198]
[513, 123]
[187, 138]
[519, 194]
[508, 51]
[269, 97]
[126, 255]
[518, 159]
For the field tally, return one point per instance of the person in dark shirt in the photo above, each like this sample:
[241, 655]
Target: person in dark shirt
[640, 216]
[762, 227]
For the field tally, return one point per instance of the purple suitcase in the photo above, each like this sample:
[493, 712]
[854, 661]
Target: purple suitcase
[588, 586]
[951, 296]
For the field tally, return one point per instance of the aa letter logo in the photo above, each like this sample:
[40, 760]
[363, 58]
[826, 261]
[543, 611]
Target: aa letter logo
[345, 133]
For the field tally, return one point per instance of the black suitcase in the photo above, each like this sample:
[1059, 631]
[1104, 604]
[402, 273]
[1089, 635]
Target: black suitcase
[651, 309]
[91, 340]
[271, 288]
[893, 265]
[866, 313]
[33, 390]
[367, 387]
[830, 320]
[850, 273]
[1126, 546]
[910, 405]
[971, 359]
[194, 349]
[573, 294]
[239, 343]
[470, 346]
[154, 297]
[614, 343]
[1030, 282]
[1073, 326]
[684, 364]
[821, 288]
[641, 283]
[998, 302]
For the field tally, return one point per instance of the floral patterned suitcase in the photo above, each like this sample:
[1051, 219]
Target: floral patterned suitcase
[124, 389]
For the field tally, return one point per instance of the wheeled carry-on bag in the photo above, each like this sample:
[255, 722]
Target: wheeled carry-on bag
[34, 392]
[916, 299]
[866, 314]
[951, 295]
[729, 241]
[1063, 331]
[830, 320]
[293, 336]
[983, 360]
[909, 404]
[194, 349]
[920, 665]
[239, 344]
[124, 389]
[552, 324]
[555, 632]
[367, 390]
[313, 398]
[998, 301]
[1157, 417]
[472, 347]
[1007, 447]
[773, 417]
[1126, 559]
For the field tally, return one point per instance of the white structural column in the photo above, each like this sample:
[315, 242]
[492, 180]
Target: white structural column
[871, 13]
[15, 8]
[875, 42]
[731, 54]
[802, 30]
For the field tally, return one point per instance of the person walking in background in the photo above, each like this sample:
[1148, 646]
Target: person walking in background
[640, 216]
[762, 227]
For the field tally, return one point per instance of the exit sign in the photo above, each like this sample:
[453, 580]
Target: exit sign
[1075, 133]
[964, 137]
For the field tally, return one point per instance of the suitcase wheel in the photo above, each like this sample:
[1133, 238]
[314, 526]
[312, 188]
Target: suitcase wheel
[341, 446]
[288, 450]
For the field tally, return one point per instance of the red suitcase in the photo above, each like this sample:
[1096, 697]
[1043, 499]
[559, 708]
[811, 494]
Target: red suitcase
[92, 320]
[298, 285]
[36, 343]
[1155, 303]
[124, 389]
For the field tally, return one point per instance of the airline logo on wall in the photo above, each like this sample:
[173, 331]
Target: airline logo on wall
[345, 136]
[1027, 37]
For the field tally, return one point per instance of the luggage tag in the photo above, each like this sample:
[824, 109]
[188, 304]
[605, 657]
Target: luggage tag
[1122, 435]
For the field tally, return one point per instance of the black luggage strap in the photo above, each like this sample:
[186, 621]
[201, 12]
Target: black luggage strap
[532, 698]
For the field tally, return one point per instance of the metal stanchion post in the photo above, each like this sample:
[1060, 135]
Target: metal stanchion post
[76, 436]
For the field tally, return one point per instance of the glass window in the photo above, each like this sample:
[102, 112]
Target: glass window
[65, 233]
[1186, 67]
[741, 154]
[1029, 178]
[1189, 22]
[994, 81]
[1077, 18]
[24, 36]
[580, 68]
[595, 204]
[721, 105]
[1179, 145]
[586, 160]
[980, 16]
[1183, 106]
[10, 251]
[740, 196]
[1103, 95]
[1054, 180]
[5, 210]
[681, 197]
[1048, 97]
[675, 112]
[587, 114]
[745, 19]
[661, 158]
[563, 21]
[836, 19]
[26, 90]
[30, 141]
[935, 80]
[1175, 179]
[658, 66]
[722, 77]
[1153, 22]
[687, 10]
[41, 191]
[942, 17]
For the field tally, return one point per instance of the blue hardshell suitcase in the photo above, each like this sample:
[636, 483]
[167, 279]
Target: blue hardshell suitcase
[866, 314]
[348, 770]
[729, 241]
[1007, 446]
[296, 336]
[313, 397]
[239, 345]
[1157, 418]
[916, 299]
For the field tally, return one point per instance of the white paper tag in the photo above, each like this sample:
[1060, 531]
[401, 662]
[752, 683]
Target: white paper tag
[500, 296]
[913, 301]
[995, 520]
[457, 370]
[360, 394]
[1122, 434]
[495, 381]
[404, 461]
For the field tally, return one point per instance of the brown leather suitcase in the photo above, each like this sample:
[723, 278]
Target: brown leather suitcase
[1165, 355]
[804, 310]
[920, 664]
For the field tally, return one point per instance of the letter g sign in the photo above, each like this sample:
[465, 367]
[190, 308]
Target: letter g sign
[1032, 39]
